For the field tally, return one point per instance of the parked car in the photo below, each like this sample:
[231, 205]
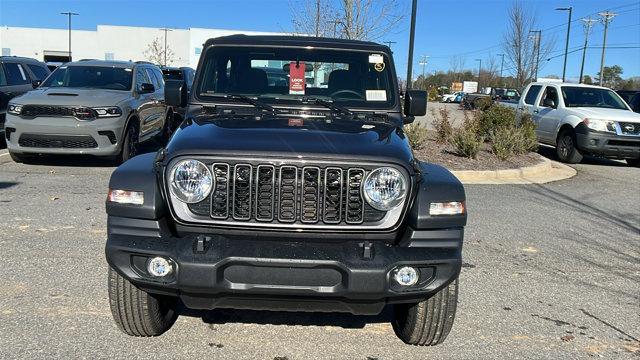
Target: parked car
[17, 76]
[634, 103]
[450, 97]
[472, 101]
[298, 197]
[459, 97]
[178, 73]
[627, 95]
[583, 119]
[102, 108]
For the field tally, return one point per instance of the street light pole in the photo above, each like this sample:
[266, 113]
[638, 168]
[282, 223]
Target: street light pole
[165, 44]
[588, 23]
[69, 14]
[606, 18]
[566, 46]
[412, 35]
[479, 70]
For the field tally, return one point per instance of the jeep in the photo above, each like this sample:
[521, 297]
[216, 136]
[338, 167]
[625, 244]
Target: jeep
[301, 195]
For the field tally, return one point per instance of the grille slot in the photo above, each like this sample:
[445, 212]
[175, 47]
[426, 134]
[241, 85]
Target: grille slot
[355, 203]
[57, 141]
[288, 186]
[332, 209]
[265, 192]
[310, 200]
[220, 196]
[242, 179]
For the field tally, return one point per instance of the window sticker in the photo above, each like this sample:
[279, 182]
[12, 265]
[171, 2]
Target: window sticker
[296, 78]
[379, 67]
[375, 59]
[376, 95]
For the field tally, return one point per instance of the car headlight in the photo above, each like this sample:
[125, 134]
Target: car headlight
[111, 111]
[385, 188]
[190, 181]
[14, 109]
[601, 125]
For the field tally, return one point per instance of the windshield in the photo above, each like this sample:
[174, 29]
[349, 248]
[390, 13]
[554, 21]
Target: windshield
[288, 75]
[577, 96]
[95, 77]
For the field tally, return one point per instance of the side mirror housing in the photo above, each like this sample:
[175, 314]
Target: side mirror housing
[36, 83]
[549, 103]
[415, 103]
[147, 88]
[175, 93]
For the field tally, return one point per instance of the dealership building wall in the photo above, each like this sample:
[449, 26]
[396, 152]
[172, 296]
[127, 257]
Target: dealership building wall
[108, 42]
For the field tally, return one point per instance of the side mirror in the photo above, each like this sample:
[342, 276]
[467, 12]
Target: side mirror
[36, 83]
[147, 88]
[415, 103]
[549, 103]
[175, 93]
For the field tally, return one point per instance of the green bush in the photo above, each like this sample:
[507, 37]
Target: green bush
[529, 140]
[514, 140]
[417, 135]
[495, 117]
[466, 142]
[483, 103]
[442, 125]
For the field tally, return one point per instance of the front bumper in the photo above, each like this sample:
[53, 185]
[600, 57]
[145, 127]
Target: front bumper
[608, 145]
[263, 271]
[105, 132]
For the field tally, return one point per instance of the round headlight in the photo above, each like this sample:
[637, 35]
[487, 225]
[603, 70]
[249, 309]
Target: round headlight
[385, 188]
[190, 181]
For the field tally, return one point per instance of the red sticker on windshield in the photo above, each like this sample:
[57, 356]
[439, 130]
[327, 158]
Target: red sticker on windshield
[296, 78]
[296, 122]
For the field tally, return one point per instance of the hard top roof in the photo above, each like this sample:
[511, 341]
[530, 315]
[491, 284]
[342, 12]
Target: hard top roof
[302, 41]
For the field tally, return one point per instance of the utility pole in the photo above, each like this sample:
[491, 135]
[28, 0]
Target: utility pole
[317, 18]
[335, 26]
[607, 16]
[566, 46]
[389, 43]
[423, 62]
[165, 44]
[69, 14]
[501, 66]
[588, 24]
[479, 70]
[412, 35]
[538, 38]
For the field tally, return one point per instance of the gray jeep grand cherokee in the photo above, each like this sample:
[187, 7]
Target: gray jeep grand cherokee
[94, 107]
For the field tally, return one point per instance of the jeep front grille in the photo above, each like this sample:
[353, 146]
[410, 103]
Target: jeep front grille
[288, 194]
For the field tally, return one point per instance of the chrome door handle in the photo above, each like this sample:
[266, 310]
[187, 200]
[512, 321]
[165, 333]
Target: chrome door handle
[536, 111]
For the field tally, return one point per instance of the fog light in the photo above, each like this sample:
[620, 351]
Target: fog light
[406, 276]
[159, 266]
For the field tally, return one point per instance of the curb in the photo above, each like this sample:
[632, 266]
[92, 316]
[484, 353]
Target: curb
[544, 172]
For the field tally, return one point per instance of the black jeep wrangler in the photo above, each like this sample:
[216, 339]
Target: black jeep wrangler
[296, 195]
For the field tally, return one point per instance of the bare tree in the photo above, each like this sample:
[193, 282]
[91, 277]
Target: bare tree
[519, 47]
[457, 64]
[350, 19]
[155, 52]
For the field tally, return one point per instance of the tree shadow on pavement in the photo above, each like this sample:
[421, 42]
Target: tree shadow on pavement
[343, 320]
[7, 184]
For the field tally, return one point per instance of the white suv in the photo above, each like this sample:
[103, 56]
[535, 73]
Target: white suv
[583, 119]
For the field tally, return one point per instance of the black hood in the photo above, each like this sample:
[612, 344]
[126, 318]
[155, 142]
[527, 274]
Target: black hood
[291, 137]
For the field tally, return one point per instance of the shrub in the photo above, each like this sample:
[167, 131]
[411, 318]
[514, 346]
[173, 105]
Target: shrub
[529, 139]
[417, 135]
[466, 142]
[505, 141]
[483, 103]
[495, 117]
[442, 125]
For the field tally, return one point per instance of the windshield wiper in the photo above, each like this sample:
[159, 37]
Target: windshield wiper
[258, 104]
[327, 104]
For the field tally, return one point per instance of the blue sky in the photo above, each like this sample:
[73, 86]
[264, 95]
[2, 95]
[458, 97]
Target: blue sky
[470, 28]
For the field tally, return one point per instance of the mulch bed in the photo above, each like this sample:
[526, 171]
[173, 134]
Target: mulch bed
[444, 154]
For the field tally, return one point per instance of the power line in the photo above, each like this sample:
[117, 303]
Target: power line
[606, 18]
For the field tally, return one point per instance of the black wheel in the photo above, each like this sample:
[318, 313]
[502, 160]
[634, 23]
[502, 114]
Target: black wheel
[428, 322]
[136, 312]
[633, 162]
[566, 148]
[129, 144]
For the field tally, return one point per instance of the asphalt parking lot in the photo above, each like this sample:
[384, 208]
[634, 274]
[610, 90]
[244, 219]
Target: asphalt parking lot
[550, 271]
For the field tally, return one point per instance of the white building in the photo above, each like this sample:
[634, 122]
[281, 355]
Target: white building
[108, 42]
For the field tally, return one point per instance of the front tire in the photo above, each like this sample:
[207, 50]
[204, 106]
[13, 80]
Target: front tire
[136, 312]
[129, 144]
[566, 148]
[428, 322]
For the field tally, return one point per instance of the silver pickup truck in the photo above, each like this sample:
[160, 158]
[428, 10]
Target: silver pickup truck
[582, 119]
